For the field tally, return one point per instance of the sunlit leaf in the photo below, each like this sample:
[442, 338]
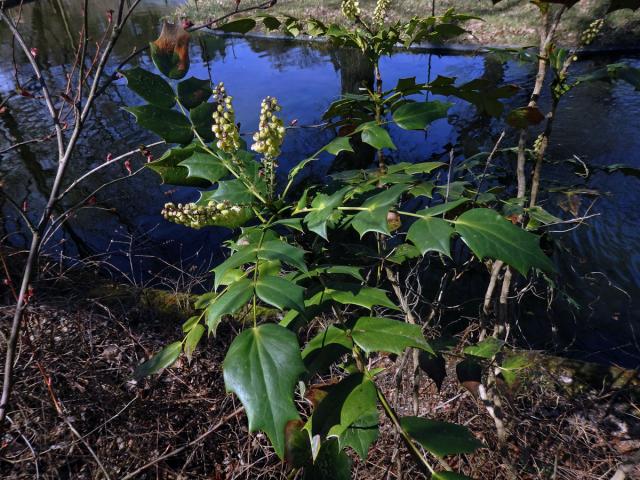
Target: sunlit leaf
[192, 339]
[242, 25]
[322, 208]
[377, 137]
[205, 166]
[280, 293]
[361, 434]
[374, 217]
[524, 117]
[431, 234]
[233, 299]
[489, 235]
[374, 334]
[168, 167]
[262, 367]
[487, 348]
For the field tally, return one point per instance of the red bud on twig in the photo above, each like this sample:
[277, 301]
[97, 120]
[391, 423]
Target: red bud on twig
[25, 205]
[33, 51]
[109, 157]
[127, 165]
[110, 15]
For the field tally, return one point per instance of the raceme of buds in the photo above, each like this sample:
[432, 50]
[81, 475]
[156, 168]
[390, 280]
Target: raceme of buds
[268, 138]
[380, 11]
[224, 128]
[350, 9]
[213, 213]
[591, 32]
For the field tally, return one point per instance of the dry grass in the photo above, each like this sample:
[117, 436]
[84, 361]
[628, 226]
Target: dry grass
[510, 22]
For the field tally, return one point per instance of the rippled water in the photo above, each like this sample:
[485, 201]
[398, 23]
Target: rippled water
[597, 122]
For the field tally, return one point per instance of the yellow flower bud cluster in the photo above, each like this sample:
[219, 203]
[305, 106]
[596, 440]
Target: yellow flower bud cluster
[268, 139]
[380, 12]
[350, 9]
[213, 213]
[591, 32]
[224, 127]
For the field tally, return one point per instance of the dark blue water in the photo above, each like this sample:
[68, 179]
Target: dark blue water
[599, 261]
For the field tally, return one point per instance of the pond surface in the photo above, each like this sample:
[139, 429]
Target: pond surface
[598, 123]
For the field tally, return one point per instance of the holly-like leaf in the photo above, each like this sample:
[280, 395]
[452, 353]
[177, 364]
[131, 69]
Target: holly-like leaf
[488, 234]
[234, 191]
[233, 299]
[280, 293]
[487, 348]
[361, 434]
[322, 208]
[431, 234]
[269, 250]
[262, 367]
[242, 25]
[171, 126]
[170, 52]
[168, 167]
[202, 120]
[331, 463]
[376, 136]
[193, 91]
[205, 166]
[344, 403]
[374, 334]
[374, 217]
[192, 339]
[440, 438]
[355, 294]
[161, 360]
[153, 88]
[512, 365]
[337, 145]
[418, 115]
[331, 336]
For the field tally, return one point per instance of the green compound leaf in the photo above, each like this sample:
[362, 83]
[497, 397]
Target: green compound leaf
[487, 348]
[449, 476]
[233, 191]
[280, 293]
[169, 169]
[171, 126]
[374, 334]
[242, 25]
[361, 434]
[418, 115]
[440, 438]
[374, 218]
[202, 120]
[442, 208]
[269, 250]
[331, 463]
[262, 367]
[322, 208]
[356, 294]
[344, 403]
[337, 145]
[193, 91]
[512, 365]
[431, 235]
[330, 336]
[488, 234]
[192, 339]
[161, 360]
[376, 136]
[153, 88]
[205, 166]
[233, 299]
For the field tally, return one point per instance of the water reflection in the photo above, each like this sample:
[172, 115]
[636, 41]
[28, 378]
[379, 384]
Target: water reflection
[601, 261]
